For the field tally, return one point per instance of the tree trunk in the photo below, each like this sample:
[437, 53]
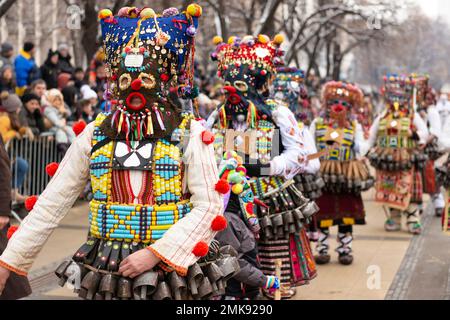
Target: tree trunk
[5, 6]
[90, 29]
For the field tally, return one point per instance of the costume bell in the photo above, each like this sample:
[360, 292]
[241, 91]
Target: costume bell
[266, 136]
[153, 176]
[341, 138]
[398, 135]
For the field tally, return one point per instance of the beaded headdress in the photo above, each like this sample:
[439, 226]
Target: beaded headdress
[253, 57]
[149, 60]
[421, 89]
[342, 93]
[398, 89]
[247, 66]
[289, 86]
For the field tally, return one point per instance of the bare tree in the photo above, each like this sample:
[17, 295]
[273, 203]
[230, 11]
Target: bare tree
[5, 5]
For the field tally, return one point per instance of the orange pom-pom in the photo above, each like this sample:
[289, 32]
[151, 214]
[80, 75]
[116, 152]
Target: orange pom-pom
[223, 186]
[217, 40]
[11, 231]
[278, 39]
[30, 202]
[78, 127]
[201, 249]
[194, 10]
[51, 168]
[104, 14]
[220, 223]
[208, 137]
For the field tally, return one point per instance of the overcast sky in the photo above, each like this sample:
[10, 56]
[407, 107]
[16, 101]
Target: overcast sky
[436, 8]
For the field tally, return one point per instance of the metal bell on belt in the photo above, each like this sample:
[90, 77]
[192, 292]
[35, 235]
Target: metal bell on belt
[108, 286]
[178, 286]
[89, 285]
[145, 285]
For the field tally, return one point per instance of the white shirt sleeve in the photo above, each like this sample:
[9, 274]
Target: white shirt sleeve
[434, 121]
[361, 145]
[444, 140]
[373, 133]
[52, 206]
[312, 166]
[293, 159]
[422, 130]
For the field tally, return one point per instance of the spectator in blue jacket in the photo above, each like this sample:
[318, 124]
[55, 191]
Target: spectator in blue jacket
[26, 69]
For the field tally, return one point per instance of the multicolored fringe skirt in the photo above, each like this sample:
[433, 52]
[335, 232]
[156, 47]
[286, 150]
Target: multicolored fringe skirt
[298, 266]
[93, 274]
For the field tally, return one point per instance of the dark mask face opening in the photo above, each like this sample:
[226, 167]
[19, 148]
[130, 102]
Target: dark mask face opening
[142, 84]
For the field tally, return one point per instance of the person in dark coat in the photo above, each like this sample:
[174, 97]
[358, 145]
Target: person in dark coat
[65, 64]
[30, 115]
[51, 69]
[17, 287]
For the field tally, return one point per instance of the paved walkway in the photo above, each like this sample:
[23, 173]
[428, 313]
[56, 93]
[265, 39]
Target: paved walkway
[387, 265]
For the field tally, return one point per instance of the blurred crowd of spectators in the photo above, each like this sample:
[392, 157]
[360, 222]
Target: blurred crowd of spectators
[45, 100]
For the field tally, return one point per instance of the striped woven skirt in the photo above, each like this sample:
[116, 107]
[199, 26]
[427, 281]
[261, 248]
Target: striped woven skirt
[298, 266]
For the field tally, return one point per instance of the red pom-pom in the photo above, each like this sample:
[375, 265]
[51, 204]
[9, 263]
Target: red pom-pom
[78, 127]
[223, 186]
[164, 77]
[220, 223]
[201, 249]
[52, 168]
[30, 202]
[208, 137]
[249, 207]
[11, 231]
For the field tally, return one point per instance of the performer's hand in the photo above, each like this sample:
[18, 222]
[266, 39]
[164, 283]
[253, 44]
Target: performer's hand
[138, 263]
[3, 222]
[4, 275]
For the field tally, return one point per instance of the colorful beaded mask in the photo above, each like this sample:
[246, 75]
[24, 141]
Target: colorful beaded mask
[247, 66]
[289, 86]
[421, 86]
[150, 61]
[398, 91]
[342, 93]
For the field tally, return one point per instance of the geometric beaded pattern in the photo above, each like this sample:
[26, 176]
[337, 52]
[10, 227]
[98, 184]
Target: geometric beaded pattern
[344, 151]
[393, 138]
[262, 185]
[130, 222]
[264, 142]
[136, 223]
[167, 173]
[101, 164]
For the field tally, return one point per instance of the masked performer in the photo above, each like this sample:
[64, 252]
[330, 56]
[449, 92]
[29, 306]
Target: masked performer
[155, 208]
[266, 135]
[425, 104]
[443, 172]
[398, 134]
[288, 88]
[344, 173]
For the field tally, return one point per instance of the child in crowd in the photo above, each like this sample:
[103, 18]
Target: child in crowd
[57, 113]
[86, 111]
